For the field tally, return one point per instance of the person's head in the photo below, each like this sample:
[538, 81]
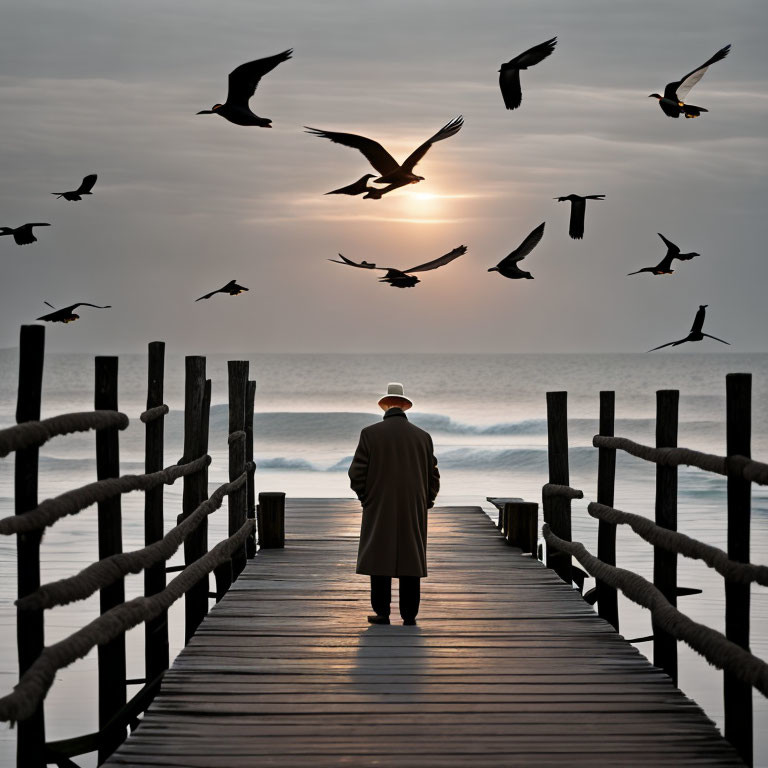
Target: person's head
[395, 398]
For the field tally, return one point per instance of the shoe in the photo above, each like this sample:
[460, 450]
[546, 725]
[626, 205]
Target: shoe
[376, 619]
[409, 622]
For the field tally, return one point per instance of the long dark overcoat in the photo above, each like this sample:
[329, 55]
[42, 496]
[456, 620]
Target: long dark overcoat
[394, 474]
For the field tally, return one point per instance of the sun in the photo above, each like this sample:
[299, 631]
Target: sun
[424, 204]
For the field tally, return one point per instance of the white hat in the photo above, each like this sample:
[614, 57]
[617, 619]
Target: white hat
[395, 393]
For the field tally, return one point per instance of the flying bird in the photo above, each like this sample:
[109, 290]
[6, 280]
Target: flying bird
[672, 103]
[23, 235]
[696, 333]
[84, 189]
[509, 74]
[232, 288]
[664, 267]
[578, 209]
[389, 169]
[508, 265]
[402, 278]
[67, 314]
[243, 81]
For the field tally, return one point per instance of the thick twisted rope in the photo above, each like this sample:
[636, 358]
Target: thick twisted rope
[72, 502]
[711, 644]
[672, 541]
[36, 433]
[754, 471]
[553, 489]
[104, 572]
[151, 414]
[34, 684]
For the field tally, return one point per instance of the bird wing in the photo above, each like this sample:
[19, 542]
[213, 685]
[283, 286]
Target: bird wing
[509, 82]
[594, 197]
[576, 224]
[673, 249]
[87, 184]
[441, 261]
[687, 82]
[524, 248]
[698, 321]
[52, 315]
[710, 336]
[35, 224]
[86, 304]
[668, 344]
[534, 55]
[212, 293]
[362, 265]
[448, 130]
[244, 79]
[376, 155]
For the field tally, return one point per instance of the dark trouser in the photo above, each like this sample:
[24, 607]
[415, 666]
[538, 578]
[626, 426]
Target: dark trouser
[410, 595]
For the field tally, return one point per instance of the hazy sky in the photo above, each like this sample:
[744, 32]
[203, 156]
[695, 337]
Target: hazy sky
[185, 203]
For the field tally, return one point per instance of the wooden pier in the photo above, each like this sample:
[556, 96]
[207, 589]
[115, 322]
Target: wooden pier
[508, 666]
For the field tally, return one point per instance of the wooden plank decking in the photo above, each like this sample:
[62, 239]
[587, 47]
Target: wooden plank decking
[507, 667]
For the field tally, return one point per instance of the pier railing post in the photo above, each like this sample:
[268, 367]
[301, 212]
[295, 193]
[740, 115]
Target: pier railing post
[238, 500]
[195, 487]
[30, 749]
[270, 514]
[521, 523]
[156, 654]
[250, 542]
[738, 695]
[607, 601]
[111, 655]
[557, 509]
[665, 562]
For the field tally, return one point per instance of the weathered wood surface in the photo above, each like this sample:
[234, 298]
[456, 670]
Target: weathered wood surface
[506, 667]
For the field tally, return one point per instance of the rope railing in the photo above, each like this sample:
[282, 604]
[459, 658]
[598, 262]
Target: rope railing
[33, 434]
[754, 471]
[105, 572]
[672, 541]
[34, 684]
[711, 644]
[70, 503]
[553, 489]
[152, 414]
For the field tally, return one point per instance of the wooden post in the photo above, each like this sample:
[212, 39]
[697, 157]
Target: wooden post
[664, 562]
[607, 601]
[111, 656]
[195, 487]
[557, 509]
[238, 500]
[250, 542]
[156, 655]
[738, 695]
[522, 523]
[30, 630]
[271, 520]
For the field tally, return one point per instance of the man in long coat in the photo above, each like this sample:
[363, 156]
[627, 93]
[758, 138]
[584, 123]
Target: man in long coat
[394, 474]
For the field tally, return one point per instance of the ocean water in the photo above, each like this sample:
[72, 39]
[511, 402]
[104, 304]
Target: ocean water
[487, 415]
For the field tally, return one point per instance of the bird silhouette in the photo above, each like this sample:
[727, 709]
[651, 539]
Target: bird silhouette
[664, 267]
[84, 189]
[508, 265]
[243, 81]
[401, 278]
[578, 209]
[67, 314]
[389, 169]
[232, 288]
[23, 235]
[672, 103]
[696, 333]
[509, 74]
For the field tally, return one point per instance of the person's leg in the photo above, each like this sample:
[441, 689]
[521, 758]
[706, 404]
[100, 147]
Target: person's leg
[381, 594]
[410, 596]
